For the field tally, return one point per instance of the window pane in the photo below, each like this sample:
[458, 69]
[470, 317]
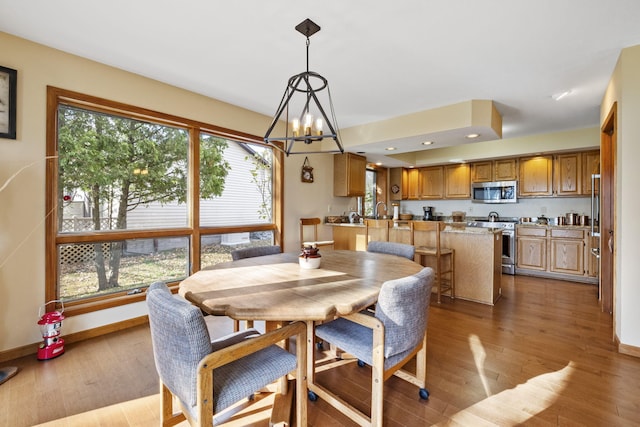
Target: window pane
[217, 248]
[117, 173]
[235, 182]
[370, 192]
[93, 269]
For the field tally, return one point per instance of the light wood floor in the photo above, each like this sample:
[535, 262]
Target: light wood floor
[542, 356]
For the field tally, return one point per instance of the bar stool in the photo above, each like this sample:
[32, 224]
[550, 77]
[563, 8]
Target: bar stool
[312, 223]
[426, 238]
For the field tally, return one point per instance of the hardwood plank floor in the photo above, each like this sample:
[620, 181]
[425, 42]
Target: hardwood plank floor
[542, 356]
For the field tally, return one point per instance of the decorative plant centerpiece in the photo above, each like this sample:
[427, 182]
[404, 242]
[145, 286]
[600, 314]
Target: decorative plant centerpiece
[309, 257]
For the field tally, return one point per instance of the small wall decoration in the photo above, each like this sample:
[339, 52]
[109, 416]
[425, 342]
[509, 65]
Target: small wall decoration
[307, 171]
[8, 99]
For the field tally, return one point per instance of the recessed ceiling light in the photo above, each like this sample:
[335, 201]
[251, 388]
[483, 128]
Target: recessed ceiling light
[390, 148]
[427, 143]
[472, 135]
[559, 96]
[378, 163]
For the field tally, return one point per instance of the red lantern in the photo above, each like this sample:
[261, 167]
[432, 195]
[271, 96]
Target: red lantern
[50, 325]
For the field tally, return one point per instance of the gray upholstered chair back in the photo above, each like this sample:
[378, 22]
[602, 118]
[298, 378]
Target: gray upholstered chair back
[180, 340]
[392, 248]
[403, 309]
[255, 251]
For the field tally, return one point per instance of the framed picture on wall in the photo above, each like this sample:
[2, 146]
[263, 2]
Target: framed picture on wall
[8, 99]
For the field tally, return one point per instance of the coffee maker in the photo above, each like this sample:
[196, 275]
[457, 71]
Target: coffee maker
[428, 213]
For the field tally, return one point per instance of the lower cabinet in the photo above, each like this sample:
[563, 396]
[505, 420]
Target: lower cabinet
[556, 252]
[567, 251]
[532, 248]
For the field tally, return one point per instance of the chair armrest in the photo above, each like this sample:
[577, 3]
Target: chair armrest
[244, 348]
[251, 345]
[370, 322]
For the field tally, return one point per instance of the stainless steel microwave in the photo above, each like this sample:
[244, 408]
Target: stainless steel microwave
[494, 192]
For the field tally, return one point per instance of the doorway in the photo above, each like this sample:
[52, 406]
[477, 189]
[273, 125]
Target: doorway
[608, 143]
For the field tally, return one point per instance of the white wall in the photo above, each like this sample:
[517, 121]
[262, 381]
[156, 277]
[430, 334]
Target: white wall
[624, 88]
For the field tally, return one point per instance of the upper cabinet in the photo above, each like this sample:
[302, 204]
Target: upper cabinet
[494, 170]
[590, 165]
[432, 182]
[505, 169]
[568, 174]
[535, 176]
[457, 180]
[559, 175]
[349, 175]
[404, 184]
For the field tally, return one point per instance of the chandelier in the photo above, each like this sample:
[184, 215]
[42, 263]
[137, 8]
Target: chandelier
[306, 118]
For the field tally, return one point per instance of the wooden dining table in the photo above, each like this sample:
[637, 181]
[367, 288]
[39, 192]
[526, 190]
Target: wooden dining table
[276, 289]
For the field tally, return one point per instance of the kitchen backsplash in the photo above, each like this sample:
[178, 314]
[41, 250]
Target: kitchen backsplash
[549, 207]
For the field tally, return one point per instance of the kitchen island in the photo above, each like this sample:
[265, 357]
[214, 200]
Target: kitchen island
[478, 260]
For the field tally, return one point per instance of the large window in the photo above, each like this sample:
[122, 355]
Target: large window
[128, 205]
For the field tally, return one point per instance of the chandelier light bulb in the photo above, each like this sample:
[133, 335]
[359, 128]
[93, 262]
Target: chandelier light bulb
[318, 127]
[295, 127]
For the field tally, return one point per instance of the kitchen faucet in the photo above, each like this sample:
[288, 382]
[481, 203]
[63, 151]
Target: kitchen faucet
[377, 206]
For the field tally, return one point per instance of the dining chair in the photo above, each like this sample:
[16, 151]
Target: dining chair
[207, 377]
[255, 251]
[252, 252]
[386, 341]
[392, 248]
[309, 234]
[426, 239]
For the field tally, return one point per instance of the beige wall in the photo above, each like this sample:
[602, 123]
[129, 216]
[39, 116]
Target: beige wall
[22, 201]
[624, 88]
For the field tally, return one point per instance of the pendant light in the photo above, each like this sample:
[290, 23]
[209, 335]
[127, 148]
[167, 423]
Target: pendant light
[307, 121]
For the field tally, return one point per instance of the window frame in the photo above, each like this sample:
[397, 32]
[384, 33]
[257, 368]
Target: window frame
[57, 96]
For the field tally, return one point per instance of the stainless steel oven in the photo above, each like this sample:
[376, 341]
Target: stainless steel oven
[508, 242]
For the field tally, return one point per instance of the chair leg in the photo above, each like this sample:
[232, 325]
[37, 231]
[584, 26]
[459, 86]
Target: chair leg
[453, 275]
[167, 416]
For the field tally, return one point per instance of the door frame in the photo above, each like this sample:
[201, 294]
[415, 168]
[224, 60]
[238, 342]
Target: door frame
[608, 145]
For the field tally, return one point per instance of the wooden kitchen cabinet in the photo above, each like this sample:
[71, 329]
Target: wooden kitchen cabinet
[431, 182]
[568, 174]
[404, 184]
[531, 248]
[567, 251]
[535, 176]
[457, 180]
[482, 171]
[590, 165]
[349, 175]
[494, 170]
[413, 184]
[505, 170]
[397, 188]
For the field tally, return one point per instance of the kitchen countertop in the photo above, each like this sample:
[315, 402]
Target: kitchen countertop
[572, 227]
[449, 227]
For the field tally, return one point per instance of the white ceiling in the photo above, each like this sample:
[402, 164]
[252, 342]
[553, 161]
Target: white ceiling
[382, 58]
